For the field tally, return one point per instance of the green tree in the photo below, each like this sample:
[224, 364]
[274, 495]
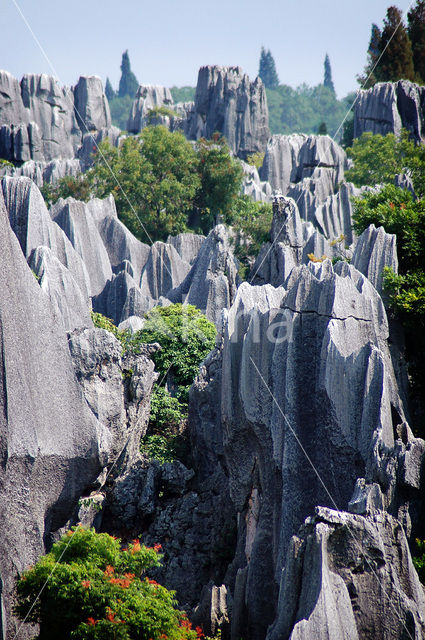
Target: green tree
[77, 187]
[322, 130]
[416, 31]
[267, 70]
[158, 173]
[120, 108]
[327, 81]
[128, 82]
[252, 222]
[397, 211]
[221, 181]
[396, 62]
[368, 78]
[183, 94]
[87, 587]
[379, 158]
[109, 92]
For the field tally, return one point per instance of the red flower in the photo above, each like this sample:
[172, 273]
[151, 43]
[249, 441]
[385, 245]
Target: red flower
[157, 546]
[136, 547]
[392, 205]
[109, 570]
[91, 622]
[86, 584]
[199, 632]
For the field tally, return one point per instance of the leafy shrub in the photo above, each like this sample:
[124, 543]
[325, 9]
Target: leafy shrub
[157, 111]
[256, 159]
[186, 337]
[252, 222]
[377, 159]
[89, 587]
[397, 211]
[76, 187]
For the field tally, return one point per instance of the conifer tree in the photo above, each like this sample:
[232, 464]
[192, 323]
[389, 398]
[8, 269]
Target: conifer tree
[396, 62]
[267, 70]
[328, 82]
[416, 30]
[128, 81]
[109, 92]
[368, 79]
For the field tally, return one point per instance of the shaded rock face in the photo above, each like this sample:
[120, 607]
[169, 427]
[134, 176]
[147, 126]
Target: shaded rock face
[227, 101]
[42, 121]
[91, 105]
[390, 106]
[349, 577]
[42, 172]
[259, 191]
[147, 97]
[212, 281]
[52, 447]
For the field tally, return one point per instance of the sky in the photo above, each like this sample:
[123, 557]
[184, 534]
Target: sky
[168, 40]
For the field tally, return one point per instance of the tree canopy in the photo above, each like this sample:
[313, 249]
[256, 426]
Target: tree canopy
[416, 31]
[327, 81]
[267, 69]
[128, 81]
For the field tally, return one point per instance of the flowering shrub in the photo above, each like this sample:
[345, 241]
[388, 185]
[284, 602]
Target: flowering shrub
[94, 589]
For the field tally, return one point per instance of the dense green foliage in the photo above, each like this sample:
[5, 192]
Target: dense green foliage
[154, 179]
[398, 212]
[416, 31]
[109, 91]
[327, 80]
[120, 110]
[221, 179]
[303, 109]
[128, 82]
[267, 70]
[186, 337]
[379, 158]
[252, 224]
[183, 94]
[89, 587]
[397, 52]
[76, 187]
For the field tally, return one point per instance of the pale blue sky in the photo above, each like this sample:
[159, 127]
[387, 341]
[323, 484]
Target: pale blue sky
[169, 40]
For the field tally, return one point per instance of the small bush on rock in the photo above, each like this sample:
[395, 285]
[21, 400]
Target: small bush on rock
[88, 587]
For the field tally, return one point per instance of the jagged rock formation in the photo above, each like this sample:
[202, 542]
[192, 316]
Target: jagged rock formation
[375, 249]
[227, 101]
[147, 98]
[290, 159]
[91, 105]
[41, 121]
[259, 191]
[342, 574]
[390, 106]
[52, 447]
[42, 172]
[213, 279]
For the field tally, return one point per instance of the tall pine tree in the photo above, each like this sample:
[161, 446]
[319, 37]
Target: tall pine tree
[416, 30]
[109, 92]
[368, 78]
[128, 81]
[328, 82]
[267, 70]
[396, 62]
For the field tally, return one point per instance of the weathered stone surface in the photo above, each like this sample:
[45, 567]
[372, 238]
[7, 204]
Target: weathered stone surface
[76, 221]
[119, 241]
[51, 108]
[390, 106]
[227, 101]
[187, 245]
[349, 578]
[68, 302]
[122, 298]
[42, 172]
[212, 281]
[90, 142]
[252, 185]
[375, 249]
[164, 270]
[52, 447]
[12, 110]
[290, 159]
[117, 388]
[91, 105]
[147, 97]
